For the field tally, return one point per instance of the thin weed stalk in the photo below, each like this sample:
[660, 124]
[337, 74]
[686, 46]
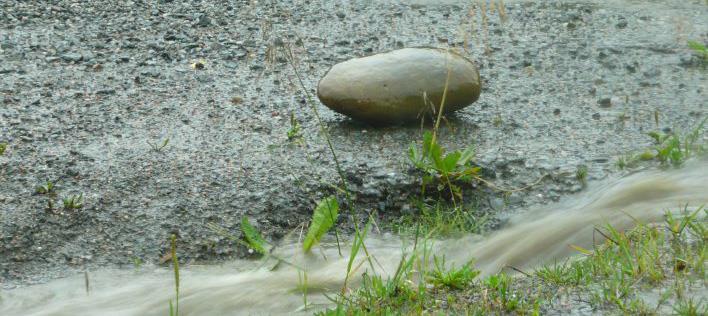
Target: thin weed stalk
[439, 118]
[302, 279]
[174, 309]
[325, 133]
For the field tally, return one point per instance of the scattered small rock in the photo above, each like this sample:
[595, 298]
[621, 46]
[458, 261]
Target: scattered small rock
[106, 92]
[621, 24]
[605, 102]
[203, 21]
[72, 57]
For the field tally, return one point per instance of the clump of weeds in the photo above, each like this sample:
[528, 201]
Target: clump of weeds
[457, 278]
[444, 171]
[670, 149]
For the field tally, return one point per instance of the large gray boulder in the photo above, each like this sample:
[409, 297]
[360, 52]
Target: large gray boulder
[389, 88]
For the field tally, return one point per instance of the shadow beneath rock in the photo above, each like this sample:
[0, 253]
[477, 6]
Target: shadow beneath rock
[350, 125]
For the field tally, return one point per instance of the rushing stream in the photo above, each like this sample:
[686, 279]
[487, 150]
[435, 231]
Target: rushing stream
[532, 237]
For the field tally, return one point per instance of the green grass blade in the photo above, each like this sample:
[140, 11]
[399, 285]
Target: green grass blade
[466, 156]
[253, 237]
[323, 218]
[697, 46]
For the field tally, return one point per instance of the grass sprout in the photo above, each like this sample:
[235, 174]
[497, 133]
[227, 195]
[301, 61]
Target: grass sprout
[46, 188]
[73, 202]
[158, 147]
[295, 131]
[582, 175]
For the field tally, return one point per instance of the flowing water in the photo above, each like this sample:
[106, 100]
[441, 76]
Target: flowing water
[531, 238]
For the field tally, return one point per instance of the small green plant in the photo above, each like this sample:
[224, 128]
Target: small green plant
[295, 131]
[582, 175]
[441, 169]
[252, 239]
[46, 188]
[451, 277]
[158, 147]
[669, 148]
[700, 50]
[137, 262]
[677, 224]
[501, 292]
[3, 147]
[382, 296]
[323, 218]
[497, 120]
[560, 274]
[622, 117]
[622, 162]
[73, 202]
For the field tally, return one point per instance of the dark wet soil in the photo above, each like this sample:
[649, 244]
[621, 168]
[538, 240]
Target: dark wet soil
[92, 90]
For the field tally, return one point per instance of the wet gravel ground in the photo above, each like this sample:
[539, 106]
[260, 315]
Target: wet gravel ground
[92, 90]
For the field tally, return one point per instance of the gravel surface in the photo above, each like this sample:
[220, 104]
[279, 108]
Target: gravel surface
[91, 90]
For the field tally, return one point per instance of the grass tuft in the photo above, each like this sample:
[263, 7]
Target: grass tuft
[452, 277]
[610, 278]
[441, 219]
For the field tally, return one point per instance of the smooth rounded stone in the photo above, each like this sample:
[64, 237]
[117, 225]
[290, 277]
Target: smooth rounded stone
[389, 88]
